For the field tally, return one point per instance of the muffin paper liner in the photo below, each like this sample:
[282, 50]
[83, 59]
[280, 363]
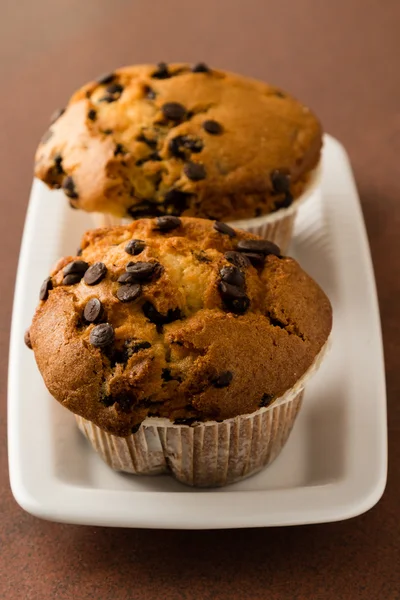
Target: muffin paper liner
[206, 454]
[278, 231]
[276, 227]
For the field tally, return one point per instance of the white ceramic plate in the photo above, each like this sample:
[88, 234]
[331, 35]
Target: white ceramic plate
[334, 464]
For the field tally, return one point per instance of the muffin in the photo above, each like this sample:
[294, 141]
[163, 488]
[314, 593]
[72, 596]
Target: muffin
[147, 141]
[181, 345]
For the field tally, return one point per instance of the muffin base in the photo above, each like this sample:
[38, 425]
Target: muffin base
[276, 227]
[279, 231]
[206, 455]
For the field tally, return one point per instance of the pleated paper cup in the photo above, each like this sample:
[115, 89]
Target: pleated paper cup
[276, 227]
[206, 454]
[105, 220]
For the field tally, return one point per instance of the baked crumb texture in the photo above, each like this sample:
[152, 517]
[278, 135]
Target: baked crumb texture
[180, 318]
[150, 140]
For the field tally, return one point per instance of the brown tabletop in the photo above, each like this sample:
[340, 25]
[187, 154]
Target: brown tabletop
[342, 59]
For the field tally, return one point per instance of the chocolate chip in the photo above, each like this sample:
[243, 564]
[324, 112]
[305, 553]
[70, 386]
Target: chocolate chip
[72, 279]
[280, 181]
[68, 185]
[126, 278]
[259, 247]
[95, 273]
[106, 78]
[119, 149]
[201, 68]
[173, 111]
[175, 147]
[193, 144]
[107, 400]
[257, 260]
[234, 298]
[151, 143]
[151, 313]
[223, 380]
[237, 259]
[194, 171]
[102, 335]
[115, 88]
[27, 339]
[167, 223]
[58, 164]
[108, 99]
[152, 156]
[224, 228]
[201, 256]
[125, 402]
[144, 271]
[144, 210]
[212, 127]
[155, 414]
[113, 93]
[93, 310]
[92, 114]
[161, 72]
[135, 346]
[266, 400]
[76, 267]
[177, 200]
[129, 292]
[46, 136]
[179, 144]
[56, 115]
[166, 375]
[149, 92]
[286, 201]
[46, 286]
[135, 247]
[185, 421]
[130, 348]
[233, 276]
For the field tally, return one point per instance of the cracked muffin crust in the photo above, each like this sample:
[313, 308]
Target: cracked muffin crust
[151, 140]
[179, 318]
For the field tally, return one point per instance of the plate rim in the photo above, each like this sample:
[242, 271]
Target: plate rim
[38, 501]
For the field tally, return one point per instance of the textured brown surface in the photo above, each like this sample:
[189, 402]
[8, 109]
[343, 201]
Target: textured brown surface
[176, 374]
[147, 138]
[341, 58]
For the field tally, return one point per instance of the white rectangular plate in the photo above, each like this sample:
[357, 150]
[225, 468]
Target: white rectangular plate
[334, 464]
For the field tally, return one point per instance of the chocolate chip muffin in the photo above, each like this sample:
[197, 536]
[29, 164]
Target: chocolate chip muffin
[179, 327]
[147, 141]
